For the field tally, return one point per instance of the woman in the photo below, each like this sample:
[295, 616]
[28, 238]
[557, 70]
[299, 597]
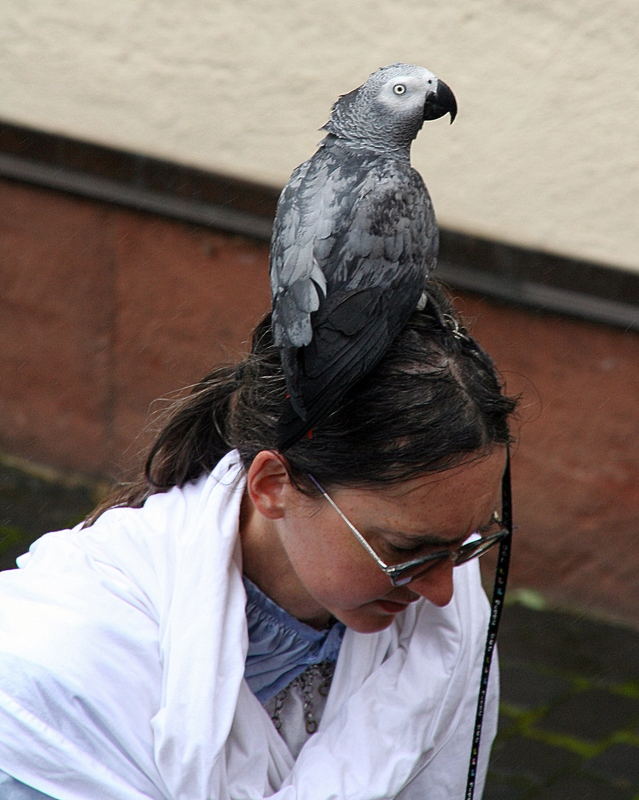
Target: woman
[248, 623]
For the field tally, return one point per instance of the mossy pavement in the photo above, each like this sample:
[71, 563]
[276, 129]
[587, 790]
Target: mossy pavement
[569, 726]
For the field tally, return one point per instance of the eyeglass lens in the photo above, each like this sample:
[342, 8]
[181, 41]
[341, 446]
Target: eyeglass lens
[465, 553]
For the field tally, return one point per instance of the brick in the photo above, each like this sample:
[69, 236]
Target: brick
[505, 725]
[187, 299]
[574, 470]
[31, 506]
[535, 761]
[54, 319]
[569, 644]
[499, 787]
[582, 787]
[619, 763]
[592, 715]
[528, 689]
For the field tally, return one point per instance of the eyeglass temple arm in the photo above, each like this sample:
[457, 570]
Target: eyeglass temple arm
[345, 519]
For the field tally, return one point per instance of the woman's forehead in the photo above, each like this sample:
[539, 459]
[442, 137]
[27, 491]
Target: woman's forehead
[482, 472]
[469, 491]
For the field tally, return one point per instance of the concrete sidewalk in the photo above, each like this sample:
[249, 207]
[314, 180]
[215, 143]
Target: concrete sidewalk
[569, 726]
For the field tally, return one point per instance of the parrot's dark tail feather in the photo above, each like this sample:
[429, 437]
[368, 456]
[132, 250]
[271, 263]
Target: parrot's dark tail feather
[290, 367]
[291, 428]
[325, 392]
[352, 332]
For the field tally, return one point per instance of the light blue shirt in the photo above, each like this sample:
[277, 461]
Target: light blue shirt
[280, 646]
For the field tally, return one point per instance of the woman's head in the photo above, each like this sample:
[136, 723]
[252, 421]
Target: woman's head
[431, 403]
[305, 555]
[416, 450]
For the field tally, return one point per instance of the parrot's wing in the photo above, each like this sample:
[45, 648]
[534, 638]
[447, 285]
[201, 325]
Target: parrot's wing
[375, 258]
[297, 281]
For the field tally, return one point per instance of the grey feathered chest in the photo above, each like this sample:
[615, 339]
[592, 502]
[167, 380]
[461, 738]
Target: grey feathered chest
[348, 218]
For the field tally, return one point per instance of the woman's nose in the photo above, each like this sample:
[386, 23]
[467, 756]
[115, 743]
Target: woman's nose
[435, 585]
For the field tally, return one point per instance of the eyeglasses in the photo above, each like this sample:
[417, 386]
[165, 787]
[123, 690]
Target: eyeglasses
[407, 571]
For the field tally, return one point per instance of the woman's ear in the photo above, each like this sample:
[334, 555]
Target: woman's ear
[267, 483]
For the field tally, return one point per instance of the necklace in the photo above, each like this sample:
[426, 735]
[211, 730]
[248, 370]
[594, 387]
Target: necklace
[316, 678]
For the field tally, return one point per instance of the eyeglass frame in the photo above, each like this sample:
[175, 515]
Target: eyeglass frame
[456, 555]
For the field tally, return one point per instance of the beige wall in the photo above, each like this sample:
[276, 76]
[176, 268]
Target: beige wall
[543, 154]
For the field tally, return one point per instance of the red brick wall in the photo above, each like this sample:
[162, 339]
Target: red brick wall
[576, 465]
[103, 310]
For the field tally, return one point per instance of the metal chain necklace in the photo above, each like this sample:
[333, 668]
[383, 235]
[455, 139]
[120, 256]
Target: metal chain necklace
[317, 676]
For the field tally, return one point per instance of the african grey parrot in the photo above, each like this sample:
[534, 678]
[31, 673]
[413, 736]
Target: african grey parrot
[354, 239]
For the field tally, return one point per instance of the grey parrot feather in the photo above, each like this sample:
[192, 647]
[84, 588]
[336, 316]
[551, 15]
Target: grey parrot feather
[354, 240]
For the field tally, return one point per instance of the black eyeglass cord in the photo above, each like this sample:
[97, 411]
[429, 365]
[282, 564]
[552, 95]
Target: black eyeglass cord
[496, 607]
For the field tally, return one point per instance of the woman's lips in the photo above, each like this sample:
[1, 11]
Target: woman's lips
[391, 607]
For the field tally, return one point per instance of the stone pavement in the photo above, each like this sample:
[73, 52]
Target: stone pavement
[32, 503]
[570, 709]
[569, 727]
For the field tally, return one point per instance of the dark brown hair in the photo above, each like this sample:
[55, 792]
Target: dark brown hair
[433, 400]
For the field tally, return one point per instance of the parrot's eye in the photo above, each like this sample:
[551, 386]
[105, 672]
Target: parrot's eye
[399, 88]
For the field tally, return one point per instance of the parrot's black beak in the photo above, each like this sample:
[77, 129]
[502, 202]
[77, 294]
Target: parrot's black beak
[441, 101]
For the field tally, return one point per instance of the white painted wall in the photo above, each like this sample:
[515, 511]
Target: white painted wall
[543, 154]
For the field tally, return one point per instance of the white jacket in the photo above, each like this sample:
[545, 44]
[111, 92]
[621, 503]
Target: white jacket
[122, 652]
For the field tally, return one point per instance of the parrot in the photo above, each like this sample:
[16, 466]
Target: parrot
[354, 240]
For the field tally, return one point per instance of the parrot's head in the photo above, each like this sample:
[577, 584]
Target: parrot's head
[388, 111]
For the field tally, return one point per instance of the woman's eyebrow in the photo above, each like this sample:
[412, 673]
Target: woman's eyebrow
[432, 540]
[419, 540]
